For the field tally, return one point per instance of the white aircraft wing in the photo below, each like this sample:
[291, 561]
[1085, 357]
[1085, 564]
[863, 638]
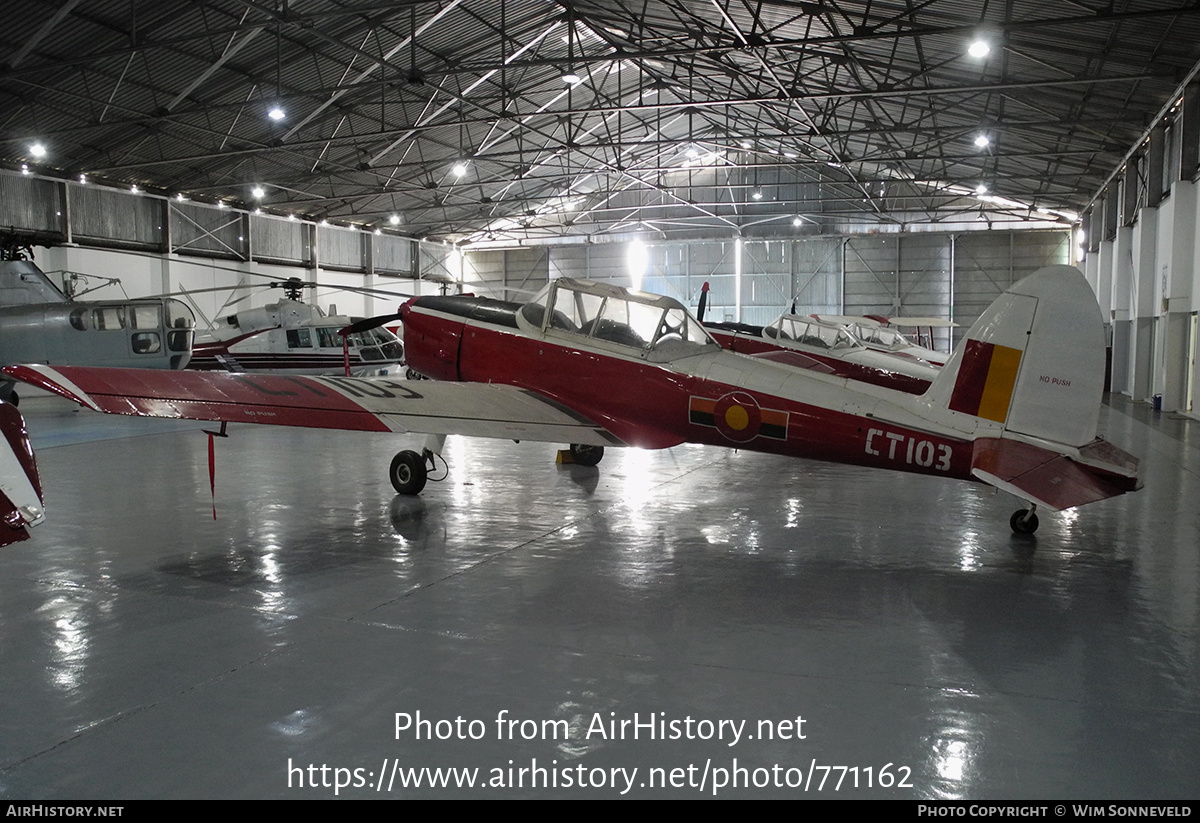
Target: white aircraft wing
[382, 404]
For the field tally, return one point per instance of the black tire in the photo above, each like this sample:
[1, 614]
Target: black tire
[1019, 523]
[408, 473]
[586, 455]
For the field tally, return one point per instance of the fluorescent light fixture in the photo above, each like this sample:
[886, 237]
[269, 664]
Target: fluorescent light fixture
[982, 141]
[979, 49]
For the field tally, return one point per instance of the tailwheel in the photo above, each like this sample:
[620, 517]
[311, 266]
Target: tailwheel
[408, 472]
[1024, 521]
[586, 455]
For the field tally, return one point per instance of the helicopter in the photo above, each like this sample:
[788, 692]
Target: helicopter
[290, 336]
[41, 323]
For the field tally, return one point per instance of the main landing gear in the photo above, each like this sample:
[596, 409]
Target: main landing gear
[586, 455]
[410, 469]
[1024, 521]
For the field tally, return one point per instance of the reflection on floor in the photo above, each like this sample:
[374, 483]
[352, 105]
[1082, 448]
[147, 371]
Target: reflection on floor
[323, 631]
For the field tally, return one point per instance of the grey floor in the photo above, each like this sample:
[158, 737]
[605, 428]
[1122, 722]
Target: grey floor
[147, 650]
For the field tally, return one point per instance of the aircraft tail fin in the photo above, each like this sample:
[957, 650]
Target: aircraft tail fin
[1033, 362]
[20, 488]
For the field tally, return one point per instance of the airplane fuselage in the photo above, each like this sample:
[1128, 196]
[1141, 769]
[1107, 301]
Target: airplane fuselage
[714, 397]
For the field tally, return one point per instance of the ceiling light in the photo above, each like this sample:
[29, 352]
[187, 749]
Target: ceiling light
[459, 169]
[258, 192]
[394, 220]
[276, 113]
[745, 144]
[180, 197]
[981, 189]
[572, 78]
[134, 188]
[757, 194]
[377, 231]
[982, 141]
[37, 150]
[83, 178]
[790, 154]
[291, 217]
[24, 169]
[979, 49]
[796, 221]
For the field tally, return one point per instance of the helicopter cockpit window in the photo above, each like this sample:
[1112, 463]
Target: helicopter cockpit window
[108, 318]
[179, 316]
[144, 316]
[329, 338]
[299, 339]
[146, 342]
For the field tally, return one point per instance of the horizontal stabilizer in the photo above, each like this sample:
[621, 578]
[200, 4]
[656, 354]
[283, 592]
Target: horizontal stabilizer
[1053, 480]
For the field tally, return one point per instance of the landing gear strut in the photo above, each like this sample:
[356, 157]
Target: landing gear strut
[1024, 521]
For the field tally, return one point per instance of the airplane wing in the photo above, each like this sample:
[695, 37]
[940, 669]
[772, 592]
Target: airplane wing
[380, 404]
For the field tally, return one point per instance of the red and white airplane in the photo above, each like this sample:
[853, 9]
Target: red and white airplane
[811, 343]
[595, 365]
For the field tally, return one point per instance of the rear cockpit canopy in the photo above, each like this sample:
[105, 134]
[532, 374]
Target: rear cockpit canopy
[652, 326]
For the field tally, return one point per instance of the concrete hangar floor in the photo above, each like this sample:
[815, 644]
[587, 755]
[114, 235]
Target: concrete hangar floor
[763, 621]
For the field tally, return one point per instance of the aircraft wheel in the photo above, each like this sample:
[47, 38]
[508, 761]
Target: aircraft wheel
[408, 472]
[1021, 525]
[586, 455]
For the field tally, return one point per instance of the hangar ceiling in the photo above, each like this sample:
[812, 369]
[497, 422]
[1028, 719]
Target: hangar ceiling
[478, 120]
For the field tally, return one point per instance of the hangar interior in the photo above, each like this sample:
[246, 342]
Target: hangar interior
[842, 156]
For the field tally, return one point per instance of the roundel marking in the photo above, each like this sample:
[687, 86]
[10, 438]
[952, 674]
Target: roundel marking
[738, 416]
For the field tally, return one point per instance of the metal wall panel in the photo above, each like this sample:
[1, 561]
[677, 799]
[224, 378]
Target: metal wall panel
[393, 255]
[30, 204]
[439, 262]
[872, 284]
[817, 275]
[207, 230]
[766, 280]
[341, 248]
[274, 238]
[101, 215]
